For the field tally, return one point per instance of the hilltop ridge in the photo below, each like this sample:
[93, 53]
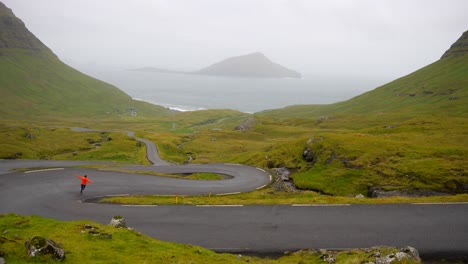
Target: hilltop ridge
[14, 34]
[459, 48]
[254, 65]
[35, 84]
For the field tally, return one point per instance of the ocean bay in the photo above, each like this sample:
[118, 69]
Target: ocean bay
[189, 92]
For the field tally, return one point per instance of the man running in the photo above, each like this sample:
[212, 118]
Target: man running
[84, 180]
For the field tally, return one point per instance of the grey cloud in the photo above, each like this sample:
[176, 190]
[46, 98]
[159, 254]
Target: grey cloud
[373, 38]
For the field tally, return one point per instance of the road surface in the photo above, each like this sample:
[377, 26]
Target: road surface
[440, 230]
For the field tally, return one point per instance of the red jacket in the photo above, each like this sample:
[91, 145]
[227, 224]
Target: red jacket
[84, 180]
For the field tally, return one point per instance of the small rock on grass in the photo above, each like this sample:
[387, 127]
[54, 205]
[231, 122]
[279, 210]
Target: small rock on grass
[42, 246]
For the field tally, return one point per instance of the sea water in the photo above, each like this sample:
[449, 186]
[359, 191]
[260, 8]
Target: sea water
[187, 92]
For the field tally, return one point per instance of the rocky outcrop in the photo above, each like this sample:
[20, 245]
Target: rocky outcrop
[459, 48]
[309, 154]
[118, 222]
[14, 34]
[376, 255]
[42, 246]
[379, 192]
[254, 65]
[246, 124]
[406, 254]
[282, 180]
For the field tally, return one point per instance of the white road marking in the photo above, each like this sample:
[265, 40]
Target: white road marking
[53, 169]
[261, 187]
[261, 169]
[220, 205]
[221, 194]
[319, 205]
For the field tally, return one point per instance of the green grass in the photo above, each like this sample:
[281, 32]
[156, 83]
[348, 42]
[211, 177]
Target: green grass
[422, 152]
[205, 176]
[426, 91]
[64, 144]
[267, 196]
[128, 246]
[38, 86]
[388, 151]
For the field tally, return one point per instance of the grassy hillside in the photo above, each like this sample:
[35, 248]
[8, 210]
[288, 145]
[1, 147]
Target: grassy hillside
[36, 85]
[126, 246]
[439, 88]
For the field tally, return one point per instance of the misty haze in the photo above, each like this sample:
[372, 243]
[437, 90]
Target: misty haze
[341, 49]
[187, 92]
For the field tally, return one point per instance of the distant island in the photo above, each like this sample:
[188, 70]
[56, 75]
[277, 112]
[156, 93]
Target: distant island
[153, 69]
[254, 65]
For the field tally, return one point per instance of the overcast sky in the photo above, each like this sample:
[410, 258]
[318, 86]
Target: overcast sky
[370, 38]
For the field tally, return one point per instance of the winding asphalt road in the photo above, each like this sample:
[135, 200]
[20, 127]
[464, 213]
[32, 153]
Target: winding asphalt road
[440, 229]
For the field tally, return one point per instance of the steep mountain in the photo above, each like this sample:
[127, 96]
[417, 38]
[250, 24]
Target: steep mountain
[34, 83]
[13, 33]
[255, 65]
[459, 48]
[439, 88]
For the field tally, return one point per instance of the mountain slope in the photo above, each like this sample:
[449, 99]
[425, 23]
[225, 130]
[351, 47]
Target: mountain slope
[404, 138]
[459, 48]
[441, 87]
[35, 83]
[255, 65]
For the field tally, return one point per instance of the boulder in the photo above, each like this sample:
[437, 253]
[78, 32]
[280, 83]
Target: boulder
[405, 254]
[308, 155]
[42, 246]
[2, 261]
[118, 222]
[401, 255]
[327, 256]
[311, 150]
[411, 251]
[385, 260]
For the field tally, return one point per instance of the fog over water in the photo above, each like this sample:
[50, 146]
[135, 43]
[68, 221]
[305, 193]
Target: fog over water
[196, 92]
